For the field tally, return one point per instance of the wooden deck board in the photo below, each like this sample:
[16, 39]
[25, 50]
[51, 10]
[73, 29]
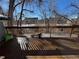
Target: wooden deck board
[13, 51]
[54, 57]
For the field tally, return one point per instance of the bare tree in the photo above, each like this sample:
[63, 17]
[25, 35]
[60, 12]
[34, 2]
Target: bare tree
[12, 7]
[10, 11]
[1, 10]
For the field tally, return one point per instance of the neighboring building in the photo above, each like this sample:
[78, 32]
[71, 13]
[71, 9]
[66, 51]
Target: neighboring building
[4, 19]
[30, 21]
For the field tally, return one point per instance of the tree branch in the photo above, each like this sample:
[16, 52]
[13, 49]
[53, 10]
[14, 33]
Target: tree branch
[28, 10]
[75, 6]
[17, 4]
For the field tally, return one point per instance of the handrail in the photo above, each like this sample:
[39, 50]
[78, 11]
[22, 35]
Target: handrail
[60, 26]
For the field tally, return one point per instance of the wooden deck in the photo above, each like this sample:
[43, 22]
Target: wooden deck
[40, 49]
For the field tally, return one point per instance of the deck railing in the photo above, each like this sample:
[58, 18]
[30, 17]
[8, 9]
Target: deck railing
[32, 28]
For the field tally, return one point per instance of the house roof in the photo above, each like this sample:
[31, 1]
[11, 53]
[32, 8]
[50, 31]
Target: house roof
[31, 19]
[3, 17]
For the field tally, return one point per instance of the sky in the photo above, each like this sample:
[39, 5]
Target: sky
[63, 7]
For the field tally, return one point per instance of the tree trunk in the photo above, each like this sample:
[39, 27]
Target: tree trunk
[20, 18]
[22, 10]
[10, 11]
[10, 15]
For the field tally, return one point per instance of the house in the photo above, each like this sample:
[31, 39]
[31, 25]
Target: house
[30, 21]
[4, 19]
